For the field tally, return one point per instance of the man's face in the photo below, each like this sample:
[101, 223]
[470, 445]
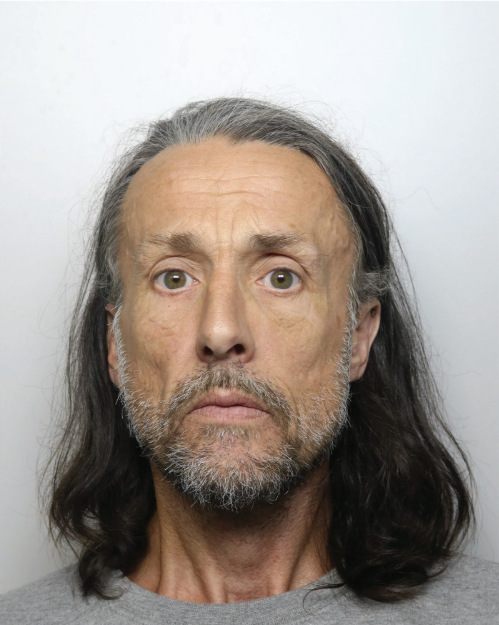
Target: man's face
[233, 351]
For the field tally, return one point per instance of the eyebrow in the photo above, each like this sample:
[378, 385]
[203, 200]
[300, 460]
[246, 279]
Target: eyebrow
[280, 242]
[190, 243]
[182, 242]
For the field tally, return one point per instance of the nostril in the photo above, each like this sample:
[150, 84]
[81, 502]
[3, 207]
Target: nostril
[239, 349]
[208, 351]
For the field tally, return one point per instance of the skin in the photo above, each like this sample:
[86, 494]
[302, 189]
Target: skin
[224, 194]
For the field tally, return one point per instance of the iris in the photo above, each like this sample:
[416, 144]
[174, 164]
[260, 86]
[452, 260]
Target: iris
[281, 279]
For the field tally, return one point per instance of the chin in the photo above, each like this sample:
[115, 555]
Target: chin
[225, 474]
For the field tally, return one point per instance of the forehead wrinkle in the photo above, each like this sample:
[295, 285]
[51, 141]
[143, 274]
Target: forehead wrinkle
[223, 183]
[215, 193]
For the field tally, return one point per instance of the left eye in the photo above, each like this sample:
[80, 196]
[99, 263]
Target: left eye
[174, 279]
[281, 279]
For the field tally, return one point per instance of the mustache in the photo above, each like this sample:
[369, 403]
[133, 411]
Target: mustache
[232, 376]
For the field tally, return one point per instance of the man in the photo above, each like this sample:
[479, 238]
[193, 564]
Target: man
[252, 433]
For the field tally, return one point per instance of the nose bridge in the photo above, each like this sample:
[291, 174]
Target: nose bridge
[224, 332]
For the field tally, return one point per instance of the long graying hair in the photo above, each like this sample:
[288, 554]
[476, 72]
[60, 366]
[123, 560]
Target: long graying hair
[401, 502]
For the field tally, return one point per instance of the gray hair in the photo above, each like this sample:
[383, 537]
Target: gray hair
[237, 120]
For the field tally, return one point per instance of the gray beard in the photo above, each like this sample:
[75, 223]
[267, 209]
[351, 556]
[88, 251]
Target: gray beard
[204, 471]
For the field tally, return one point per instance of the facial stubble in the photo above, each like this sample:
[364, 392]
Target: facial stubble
[213, 465]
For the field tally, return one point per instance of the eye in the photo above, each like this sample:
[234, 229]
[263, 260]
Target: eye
[174, 279]
[281, 279]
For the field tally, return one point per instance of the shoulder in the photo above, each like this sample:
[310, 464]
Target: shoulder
[465, 592]
[470, 568]
[468, 587]
[52, 600]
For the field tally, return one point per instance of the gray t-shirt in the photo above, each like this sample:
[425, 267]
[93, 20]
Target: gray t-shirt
[467, 593]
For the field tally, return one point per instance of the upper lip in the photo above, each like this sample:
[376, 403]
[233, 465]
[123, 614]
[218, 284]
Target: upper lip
[230, 398]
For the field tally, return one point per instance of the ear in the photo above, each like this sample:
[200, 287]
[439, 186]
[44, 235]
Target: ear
[112, 354]
[363, 336]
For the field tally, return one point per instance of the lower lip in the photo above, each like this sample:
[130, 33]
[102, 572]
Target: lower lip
[228, 413]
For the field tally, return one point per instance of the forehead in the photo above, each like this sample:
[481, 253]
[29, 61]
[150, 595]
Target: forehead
[225, 190]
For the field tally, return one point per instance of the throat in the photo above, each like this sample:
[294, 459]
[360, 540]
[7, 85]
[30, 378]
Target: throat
[219, 556]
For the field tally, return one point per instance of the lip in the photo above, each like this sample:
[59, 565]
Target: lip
[231, 405]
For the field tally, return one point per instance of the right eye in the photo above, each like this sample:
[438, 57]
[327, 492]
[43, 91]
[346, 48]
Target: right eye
[174, 279]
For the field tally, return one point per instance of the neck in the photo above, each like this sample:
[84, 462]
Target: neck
[215, 556]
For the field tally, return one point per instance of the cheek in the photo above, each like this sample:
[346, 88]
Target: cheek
[161, 343]
[300, 352]
[284, 317]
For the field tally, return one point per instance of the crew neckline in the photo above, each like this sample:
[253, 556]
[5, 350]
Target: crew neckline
[282, 608]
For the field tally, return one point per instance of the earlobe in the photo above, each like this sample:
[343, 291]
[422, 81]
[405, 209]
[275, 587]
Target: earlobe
[363, 337]
[112, 354]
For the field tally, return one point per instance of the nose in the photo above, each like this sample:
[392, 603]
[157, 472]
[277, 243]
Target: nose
[224, 333]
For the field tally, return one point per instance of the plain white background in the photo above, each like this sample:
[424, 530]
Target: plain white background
[412, 86]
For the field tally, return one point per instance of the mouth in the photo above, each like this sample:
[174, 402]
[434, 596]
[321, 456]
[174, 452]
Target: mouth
[227, 406]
